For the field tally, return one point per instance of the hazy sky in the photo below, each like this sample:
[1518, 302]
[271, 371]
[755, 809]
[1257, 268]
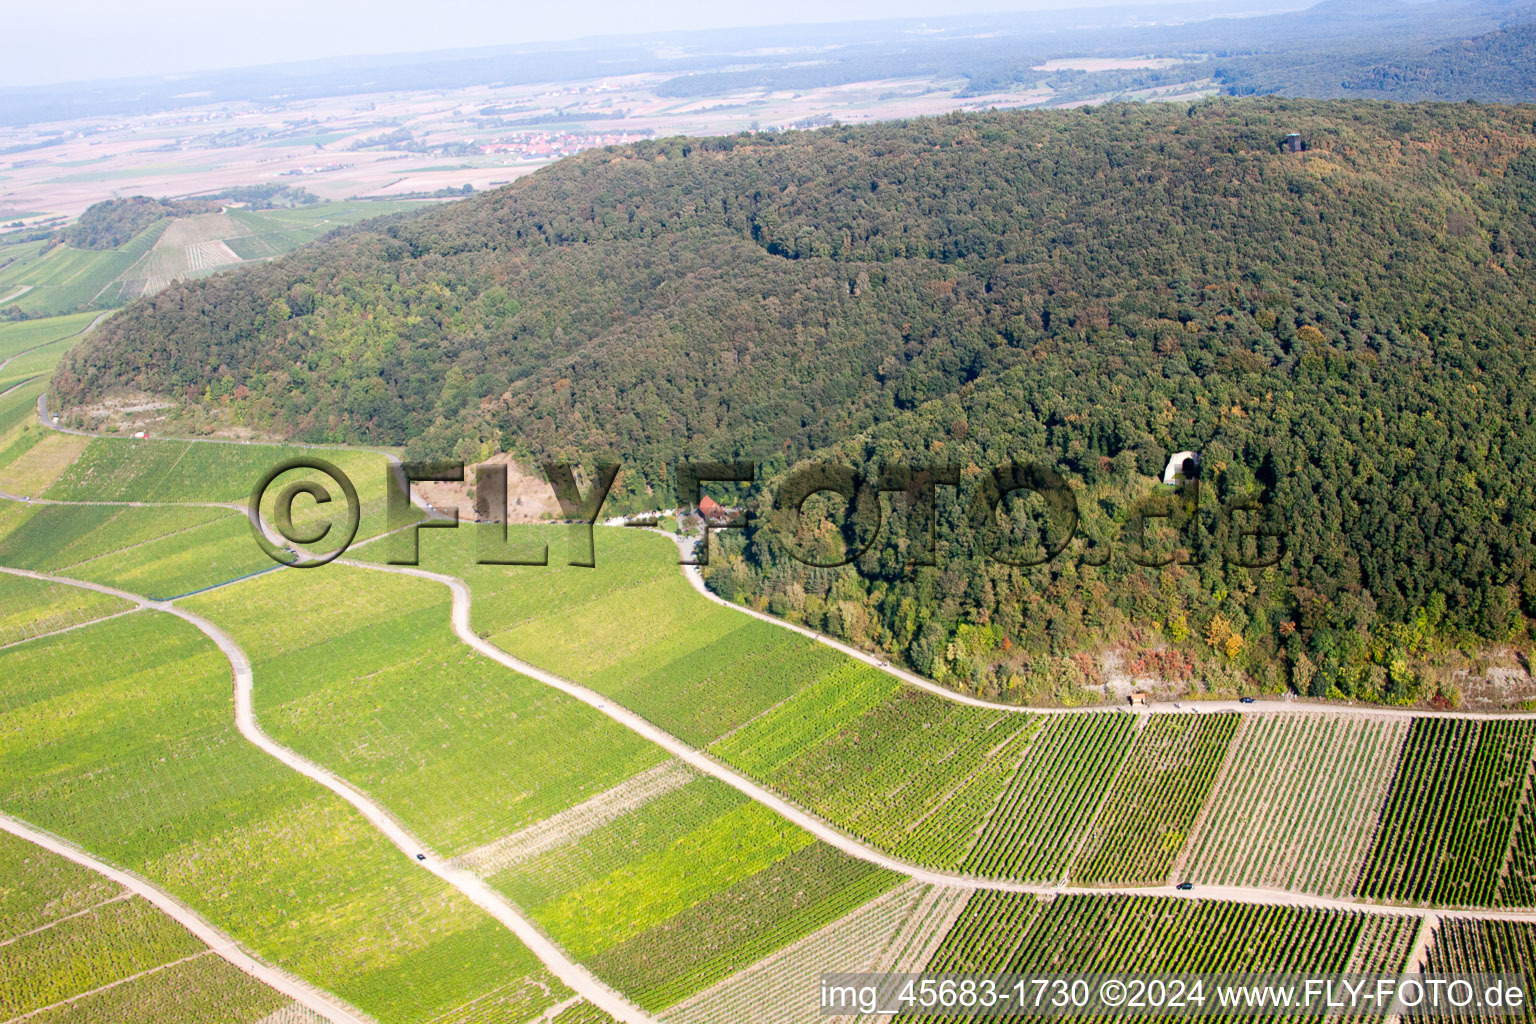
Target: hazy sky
[76, 40]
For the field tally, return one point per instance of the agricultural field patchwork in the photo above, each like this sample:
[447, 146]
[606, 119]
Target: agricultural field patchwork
[43, 279]
[1450, 833]
[77, 947]
[1001, 932]
[120, 736]
[1299, 807]
[1067, 767]
[60, 279]
[1155, 800]
[31, 608]
[361, 672]
[682, 891]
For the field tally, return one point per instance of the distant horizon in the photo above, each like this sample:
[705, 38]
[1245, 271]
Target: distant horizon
[110, 45]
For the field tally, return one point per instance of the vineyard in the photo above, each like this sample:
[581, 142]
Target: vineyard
[158, 552]
[30, 608]
[581, 1013]
[915, 774]
[1154, 801]
[1463, 945]
[1298, 807]
[360, 671]
[896, 932]
[66, 931]
[1069, 764]
[1001, 932]
[120, 736]
[671, 896]
[1451, 831]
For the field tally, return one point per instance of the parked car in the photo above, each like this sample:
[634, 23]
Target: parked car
[1247, 700]
[1185, 886]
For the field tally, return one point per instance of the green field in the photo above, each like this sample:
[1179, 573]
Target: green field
[18, 337]
[76, 947]
[30, 608]
[1459, 802]
[157, 552]
[361, 672]
[669, 898]
[121, 737]
[65, 280]
[1155, 799]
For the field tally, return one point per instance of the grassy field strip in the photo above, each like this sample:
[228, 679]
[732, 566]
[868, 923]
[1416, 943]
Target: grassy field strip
[1300, 810]
[574, 822]
[215, 940]
[781, 989]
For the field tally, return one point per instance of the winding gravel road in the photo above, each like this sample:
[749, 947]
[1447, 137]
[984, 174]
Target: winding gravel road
[573, 975]
[833, 836]
[696, 578]
[294, 988]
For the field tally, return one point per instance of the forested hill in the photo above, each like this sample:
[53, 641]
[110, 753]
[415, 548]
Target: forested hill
[1345, 330]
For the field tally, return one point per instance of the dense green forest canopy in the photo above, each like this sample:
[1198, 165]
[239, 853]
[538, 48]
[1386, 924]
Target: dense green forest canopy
[112, 222]
[1343, 333]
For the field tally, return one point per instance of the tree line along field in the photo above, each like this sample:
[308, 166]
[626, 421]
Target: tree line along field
[1102, 799]
[1453, 829]
[1017, 932]
[75, 947]
[63, 279]
[360, 672]
[120, 737]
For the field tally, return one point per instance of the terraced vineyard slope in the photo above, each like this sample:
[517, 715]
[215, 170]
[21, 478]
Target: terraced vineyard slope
[1299, 807]
[1451, 832]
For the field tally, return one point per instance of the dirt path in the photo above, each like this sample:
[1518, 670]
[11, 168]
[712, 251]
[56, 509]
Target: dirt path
[856, 848]
[294, 988]
[696, 579]
[576, 977]
[17, 294]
